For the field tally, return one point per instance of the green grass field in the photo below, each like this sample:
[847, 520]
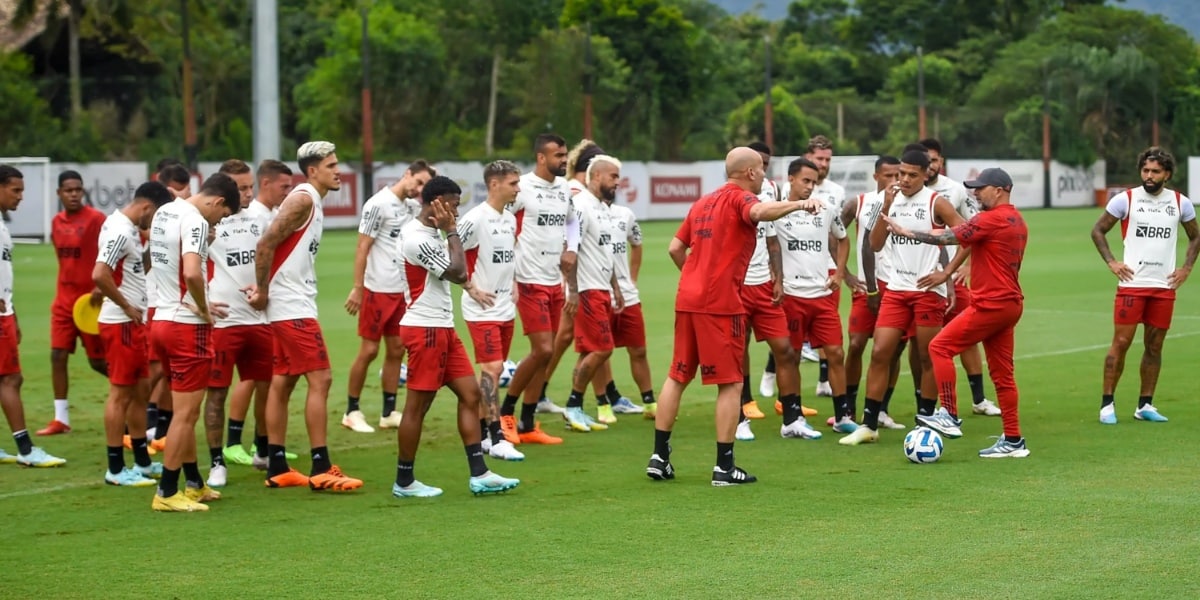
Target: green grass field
[1094, 512]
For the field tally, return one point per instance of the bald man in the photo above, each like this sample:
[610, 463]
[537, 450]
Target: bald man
[712, 250]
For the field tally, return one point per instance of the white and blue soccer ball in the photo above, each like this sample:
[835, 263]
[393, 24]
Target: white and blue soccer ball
[506, 374]
[923, 445]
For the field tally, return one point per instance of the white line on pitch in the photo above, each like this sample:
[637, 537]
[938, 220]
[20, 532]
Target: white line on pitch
[1051, 311]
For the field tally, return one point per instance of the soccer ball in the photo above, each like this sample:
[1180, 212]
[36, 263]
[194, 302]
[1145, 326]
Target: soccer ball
[506, 374]
[923, 445]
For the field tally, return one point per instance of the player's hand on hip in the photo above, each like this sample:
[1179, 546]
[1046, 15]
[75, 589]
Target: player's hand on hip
[134, 314]
[1177, 277]
[97, 298]
[933, 280]
[256, 297]
[1121, 270]
[834, 281]
[354, 301]
[218, 310]
[485, 298]
[855, 284]
[620, 306]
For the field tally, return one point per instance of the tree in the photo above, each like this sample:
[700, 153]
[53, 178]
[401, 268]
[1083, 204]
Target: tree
[746, 123]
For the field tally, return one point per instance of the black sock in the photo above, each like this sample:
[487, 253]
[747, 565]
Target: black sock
[648, 397]
[575, 400]
[475, 460]
[152, 415]
[320, 460]
[1106, 400]
[1144, 400]
[852, 401]
[404, 473]
[871, 410]
[601, 400]
[494, 432]
[976, 383]
[141, 454]
[887, 400]
[483, 428]
[218, 456]
[662, 444]
[164, 424]
[509, 407]
[1012, 438]
[116, 459]
[917, 395]
[24, 444]
[276, 460]
[527, 413]
[542, 394]
[351, 404]
[191, 474]
[823, 371]
[747, 397]
[725, 456]
[791, 408]
[926, 406]
[611, 391]
[389, 403]
[770, 368]
[168, 484]
[839, 407]
[260, 446]
[235, 433]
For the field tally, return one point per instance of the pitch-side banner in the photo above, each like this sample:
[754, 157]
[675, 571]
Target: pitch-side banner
[1028, 177]
[1075, 186]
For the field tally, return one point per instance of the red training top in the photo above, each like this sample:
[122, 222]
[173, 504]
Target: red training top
[997, 240]
[721, 236]
[75, 238]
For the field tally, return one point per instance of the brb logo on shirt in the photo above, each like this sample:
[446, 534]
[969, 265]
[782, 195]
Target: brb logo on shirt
[1145, 231]
[552, 220]
[237, 259]
[605, 239]
[502, 256]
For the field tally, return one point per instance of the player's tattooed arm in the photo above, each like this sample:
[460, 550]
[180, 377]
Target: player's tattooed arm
[293, 213]
[868, 264]
[1100, 238]
[944, 237]
[1180, 275]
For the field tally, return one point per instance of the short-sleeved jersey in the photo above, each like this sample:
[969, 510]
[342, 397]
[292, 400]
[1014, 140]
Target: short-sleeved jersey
[6, 270]
[1149, 230]
[759, 271]
[384, 215]
[541, 208]
[120, 247]
[908, 259]
[232, 256]
[956, 194]
[865, 216]
[997, 239]
[832, 194]
[594, 268]
[628, 234]
[489, 238]
[804, 245]
[720, 236]
[178, 229]
[75, 238]
[293, 288]
[426, 258]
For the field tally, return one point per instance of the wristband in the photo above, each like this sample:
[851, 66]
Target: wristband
[452, 233]
[874, 293]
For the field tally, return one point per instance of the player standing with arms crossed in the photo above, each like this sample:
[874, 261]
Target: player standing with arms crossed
[1146, 275]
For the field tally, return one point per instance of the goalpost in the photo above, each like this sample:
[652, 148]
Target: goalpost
[30, 223]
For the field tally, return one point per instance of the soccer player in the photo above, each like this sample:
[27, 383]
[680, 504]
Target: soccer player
[712, 249]
[175, 176]
[997, 238]
[590, 284]
[286, 286]
[182, 329]
[1147, 278]
[119, 274]
[12, 189]
[73, 232]
[436, 356]
[488, 234]
[243, 338]
[908, 301]
[377, 297]
[541, 208]
[966, 207]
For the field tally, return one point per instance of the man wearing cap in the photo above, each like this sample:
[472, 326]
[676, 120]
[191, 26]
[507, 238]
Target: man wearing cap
[996, 237]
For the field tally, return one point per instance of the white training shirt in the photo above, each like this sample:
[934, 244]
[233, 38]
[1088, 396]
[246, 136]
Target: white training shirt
[542, 208]
[293, 289]
[804, 246]
[1148, 229]
[426, 258]
[834, 195]
[384, 215]
[628, 234]
[908, 259]
[178, 229]
[489, 238]
[865, 216]
[594, 269]
[121, 249]
[759, 271]
[956, 194]
[6, 269]
[232, 255]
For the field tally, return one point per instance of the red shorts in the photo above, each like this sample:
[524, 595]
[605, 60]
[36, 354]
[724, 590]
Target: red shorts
[247, 347]
[10, 356]
[906, 310]
[186, 352]
[1153, 307]
[491, 339]
[151, 351]
[435, 357]
[629, 328]
[767, 319]
[593, 322]
[962, 299]
[380, 315]
[862, 320]
[815, 320]
[540, 307]
[126, 347]
[299, 347]
[63, 333]
[714, 344]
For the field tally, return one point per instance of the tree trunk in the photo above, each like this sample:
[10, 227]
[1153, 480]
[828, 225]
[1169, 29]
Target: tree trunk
[74, 13]
[489, 140]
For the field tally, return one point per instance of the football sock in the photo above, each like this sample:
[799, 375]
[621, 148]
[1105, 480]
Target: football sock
[1106, 400]
[852, 401]
[648, 397]
[509, 407]
[164, 424]
[389, 403]
[662, 444]
[976, 383]
[152, 415]
[235, 433]
[887, 400]
[527, 413]
[168, 485]
[725, 455]
[1012, 439]
[575, 400]
[191, 474]
[1144, 400]
[404, 473]
[141, 453]
[351, 404]
[542, 395]
[823, 371]
[260, 446]
[601, 400]
[320, 460]
[839, 407]
[614, 395]
[276, 460]
[218, 456]
[116, 459]
[871, 410]
[770, 368]
[747, 397]
[475, 460]
[483, 427]
[24, 444]
[925, 406]
[61, 412]
[494, 432]
[791, 408]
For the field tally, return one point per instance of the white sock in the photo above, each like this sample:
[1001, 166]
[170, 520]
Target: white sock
[60, 412]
